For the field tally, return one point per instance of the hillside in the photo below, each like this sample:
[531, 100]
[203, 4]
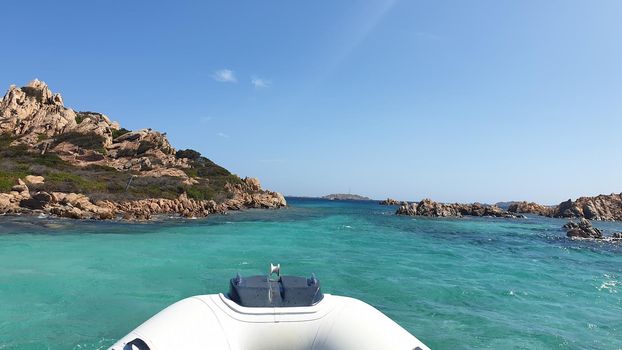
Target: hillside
[83, 165]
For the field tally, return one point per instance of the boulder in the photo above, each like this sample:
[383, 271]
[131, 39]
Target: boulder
[20, 189]
[36, 202]
[389, 201]
[583, 229]
[34, 180]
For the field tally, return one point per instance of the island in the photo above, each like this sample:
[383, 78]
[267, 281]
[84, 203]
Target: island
[345, 197]
[81, 165]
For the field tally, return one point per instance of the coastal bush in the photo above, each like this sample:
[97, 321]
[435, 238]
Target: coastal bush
[117, 133]
[80, 117]
[8, 178]
[90, 141]
[188, 153]
[101, 182]
[156, 187]
[144, 146]
[71, 182]
[5, 140]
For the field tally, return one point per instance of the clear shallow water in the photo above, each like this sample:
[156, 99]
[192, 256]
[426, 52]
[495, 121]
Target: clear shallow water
[455, 284]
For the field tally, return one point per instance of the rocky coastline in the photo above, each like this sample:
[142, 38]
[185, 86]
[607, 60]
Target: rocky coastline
[82, 165]
[600, 208]
[430, 208]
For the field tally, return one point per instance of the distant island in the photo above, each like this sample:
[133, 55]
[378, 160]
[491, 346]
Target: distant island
[345, 197]
[81, 165]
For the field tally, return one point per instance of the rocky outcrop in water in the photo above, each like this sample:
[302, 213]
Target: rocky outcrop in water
[430, 208]
[584, 230]
[530, 208]
[83, 165]
[602, 207]
[389, 201]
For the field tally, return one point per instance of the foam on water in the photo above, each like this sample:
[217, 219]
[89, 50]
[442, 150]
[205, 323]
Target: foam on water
[454, 283]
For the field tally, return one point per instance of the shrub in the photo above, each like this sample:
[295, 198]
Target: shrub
[144, 146]
[117, 133]
[80, 117]
[188, 153]
[90, 141]
[8, 178]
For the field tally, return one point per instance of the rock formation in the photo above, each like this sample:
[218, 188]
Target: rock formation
[583, 229]
[431, 208]
[83, 165]
[530, 208]
[389, 201]
[602, 207]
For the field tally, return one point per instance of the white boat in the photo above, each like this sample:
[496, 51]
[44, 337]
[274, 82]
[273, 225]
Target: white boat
[270, 314]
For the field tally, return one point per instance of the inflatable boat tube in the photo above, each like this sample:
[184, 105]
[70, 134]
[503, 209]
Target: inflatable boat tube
[315, 321]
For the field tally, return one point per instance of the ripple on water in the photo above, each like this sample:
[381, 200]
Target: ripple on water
[456, 284]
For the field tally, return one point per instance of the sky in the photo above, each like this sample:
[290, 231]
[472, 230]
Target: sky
[458, 101]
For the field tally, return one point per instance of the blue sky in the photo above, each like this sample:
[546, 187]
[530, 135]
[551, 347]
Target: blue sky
[452, 100]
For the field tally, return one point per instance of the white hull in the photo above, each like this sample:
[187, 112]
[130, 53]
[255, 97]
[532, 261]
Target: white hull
[215, 322]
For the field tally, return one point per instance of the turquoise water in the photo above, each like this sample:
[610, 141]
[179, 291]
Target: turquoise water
[455, 284]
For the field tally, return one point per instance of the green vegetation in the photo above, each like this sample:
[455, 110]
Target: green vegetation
[117, 133]
[101, 182]
[211, 176]
[8, 178]
[79, 117]
[187, 153]
[144, 146]
[87, 141]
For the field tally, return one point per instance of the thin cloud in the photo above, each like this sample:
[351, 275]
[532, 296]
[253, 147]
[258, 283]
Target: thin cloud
[260, 83]
[223, 135]
[205, 119]
[225, 76]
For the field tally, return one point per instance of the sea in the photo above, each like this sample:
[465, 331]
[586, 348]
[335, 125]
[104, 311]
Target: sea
[468, 283]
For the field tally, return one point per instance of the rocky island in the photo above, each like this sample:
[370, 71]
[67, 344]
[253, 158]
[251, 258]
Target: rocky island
[389, 201]
[82, 165]
[345, 197]
[602, 207]
[430, 208]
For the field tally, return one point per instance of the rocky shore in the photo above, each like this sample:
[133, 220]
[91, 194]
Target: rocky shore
[78, 206]
[602, 207]
[82, 165]
[431, 208]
